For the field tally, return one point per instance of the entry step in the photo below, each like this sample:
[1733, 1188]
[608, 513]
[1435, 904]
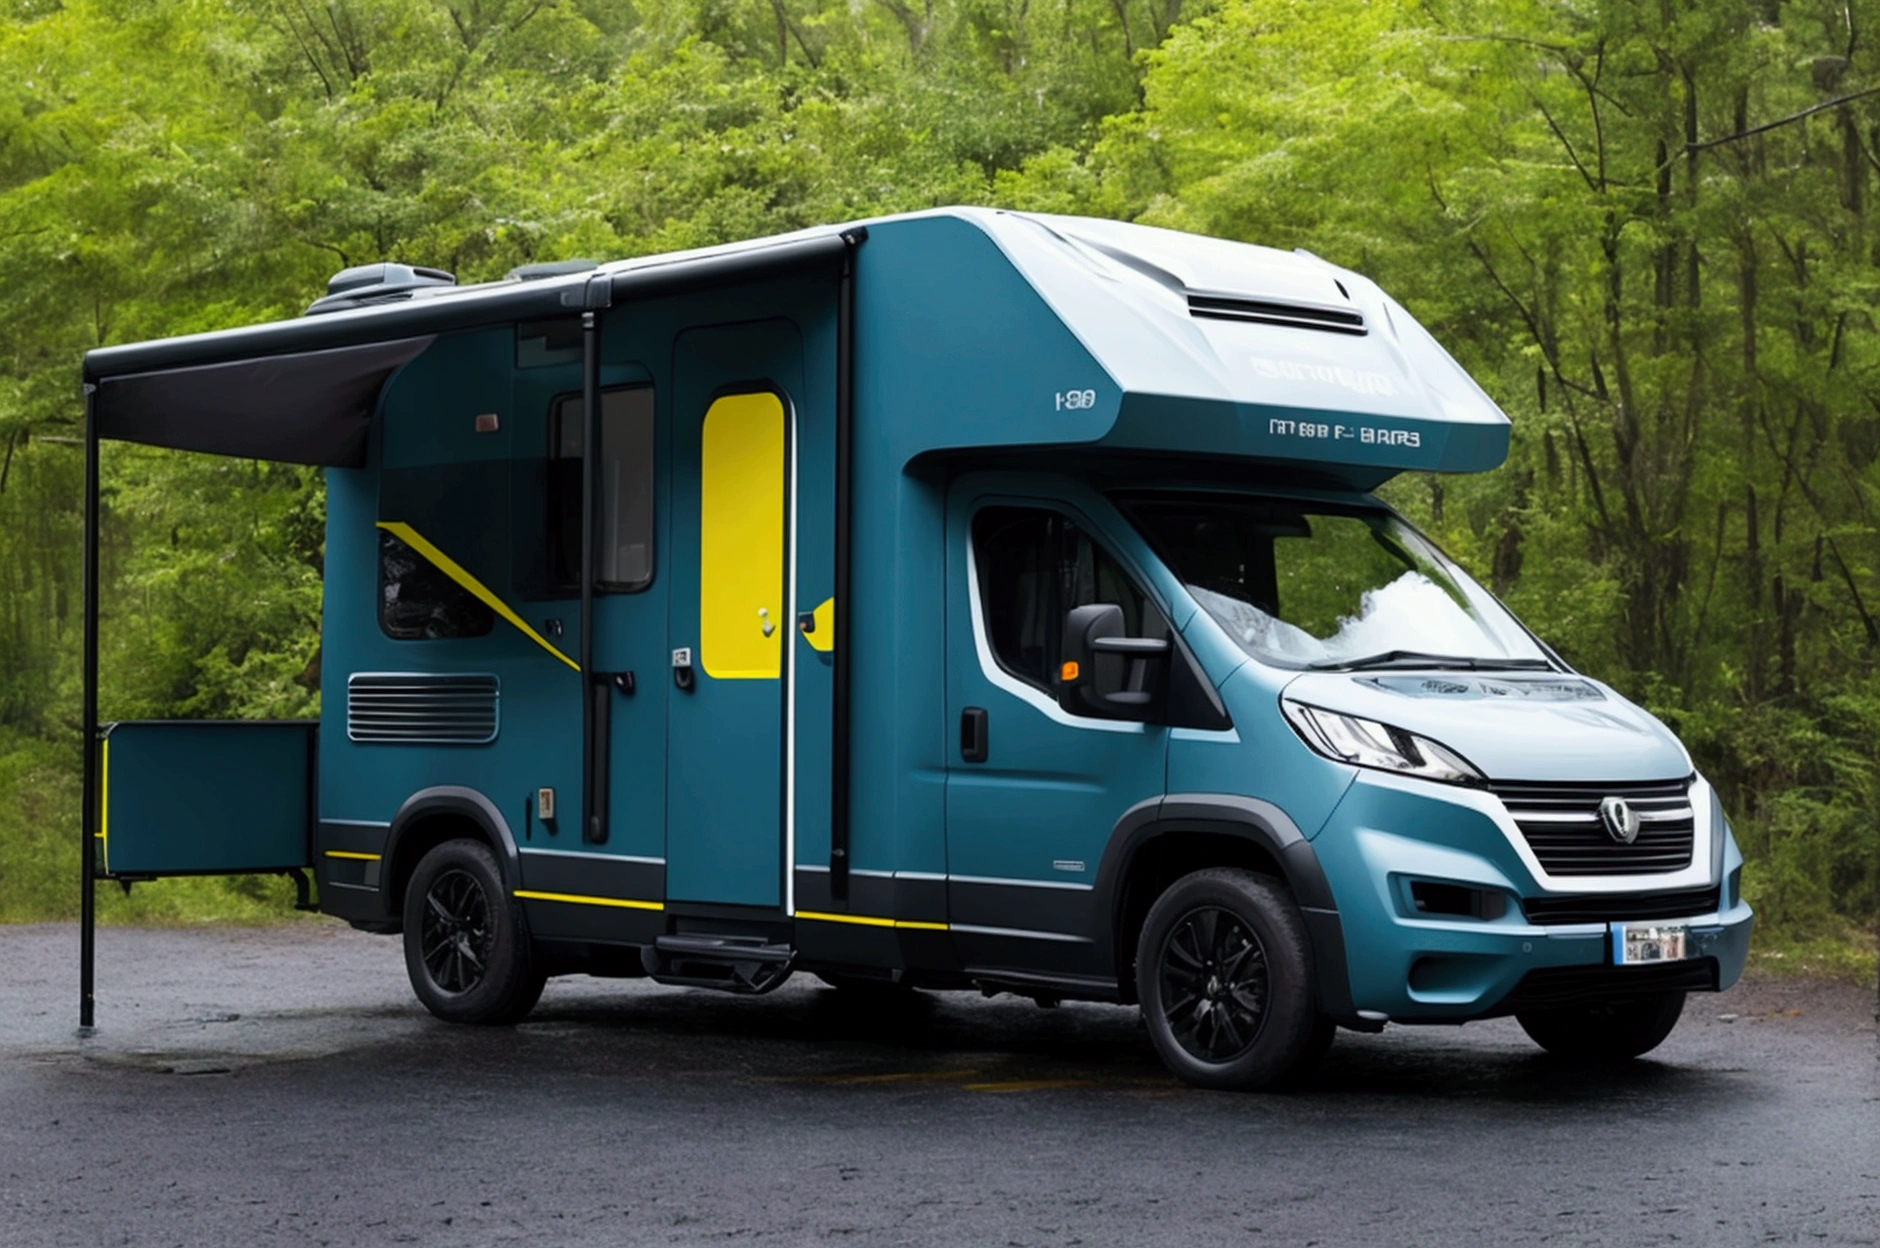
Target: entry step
[746, 964]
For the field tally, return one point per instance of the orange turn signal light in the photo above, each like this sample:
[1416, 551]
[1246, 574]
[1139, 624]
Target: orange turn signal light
[1069, 671]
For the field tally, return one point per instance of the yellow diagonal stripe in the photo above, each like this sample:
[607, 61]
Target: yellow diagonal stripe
[451, 568]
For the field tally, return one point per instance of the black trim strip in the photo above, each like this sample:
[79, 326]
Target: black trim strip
[594, 694]
[842, 652]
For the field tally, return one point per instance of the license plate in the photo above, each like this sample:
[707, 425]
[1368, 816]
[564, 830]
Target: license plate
[1633, 943]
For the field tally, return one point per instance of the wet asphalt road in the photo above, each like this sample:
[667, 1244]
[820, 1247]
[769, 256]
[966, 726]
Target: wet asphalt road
[281, 1087]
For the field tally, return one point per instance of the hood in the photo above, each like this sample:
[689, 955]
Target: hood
[1544, 726]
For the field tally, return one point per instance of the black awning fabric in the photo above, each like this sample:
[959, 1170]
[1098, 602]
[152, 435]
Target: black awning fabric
[309, 408]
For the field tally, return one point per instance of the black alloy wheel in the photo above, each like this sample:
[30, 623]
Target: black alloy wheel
[1224, 974]
[455, 934]
[467, 946]
[1214, 984]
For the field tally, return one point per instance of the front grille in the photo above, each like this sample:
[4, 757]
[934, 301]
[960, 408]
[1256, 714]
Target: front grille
[1623, 908]
[413, 707]
[1270, 312]
[1557, 986]
[1562, 826]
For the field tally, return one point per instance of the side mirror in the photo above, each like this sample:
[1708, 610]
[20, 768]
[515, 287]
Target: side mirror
[1102, 672]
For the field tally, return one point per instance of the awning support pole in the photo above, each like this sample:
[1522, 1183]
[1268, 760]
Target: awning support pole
[88, 822]
[839, 726]
[594, 692]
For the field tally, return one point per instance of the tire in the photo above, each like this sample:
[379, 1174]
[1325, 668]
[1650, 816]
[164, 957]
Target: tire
[466, 941]
[1614, 1031]
[1224, 974]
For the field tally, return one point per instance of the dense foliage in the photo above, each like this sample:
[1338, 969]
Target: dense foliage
[1650, 229]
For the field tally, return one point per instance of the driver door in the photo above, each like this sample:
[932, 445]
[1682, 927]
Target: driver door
[1033, 791]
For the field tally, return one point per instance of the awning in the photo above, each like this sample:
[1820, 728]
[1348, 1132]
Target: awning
[309, 408]
[303, 391]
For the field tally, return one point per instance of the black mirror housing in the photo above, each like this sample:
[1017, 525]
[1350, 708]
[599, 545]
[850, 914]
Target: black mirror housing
[1104, 673]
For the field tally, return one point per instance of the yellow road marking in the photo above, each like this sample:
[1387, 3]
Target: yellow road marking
[580, 900]
[1026, 1085]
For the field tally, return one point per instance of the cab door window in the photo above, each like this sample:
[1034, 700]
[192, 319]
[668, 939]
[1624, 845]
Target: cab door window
[1035, 565]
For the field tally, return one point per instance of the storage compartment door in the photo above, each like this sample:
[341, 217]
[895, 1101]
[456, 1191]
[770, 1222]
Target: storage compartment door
[183, 797]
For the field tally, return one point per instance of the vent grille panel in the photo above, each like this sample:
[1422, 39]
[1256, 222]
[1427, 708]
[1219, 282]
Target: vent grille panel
[417, 708]
[1562, 826]
[1271, 312]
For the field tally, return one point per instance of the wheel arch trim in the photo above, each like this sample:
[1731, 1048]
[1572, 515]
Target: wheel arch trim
[447, 799]
[1250, 819]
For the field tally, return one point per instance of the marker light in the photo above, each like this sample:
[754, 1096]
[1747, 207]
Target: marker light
[1069, 671]
[1368, 743]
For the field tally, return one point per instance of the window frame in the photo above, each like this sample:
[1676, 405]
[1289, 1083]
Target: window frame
[982, 611]
[553, 587]
[385, 538]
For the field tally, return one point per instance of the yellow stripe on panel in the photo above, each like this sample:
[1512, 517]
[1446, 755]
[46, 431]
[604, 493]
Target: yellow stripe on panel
[869, 920]
[455, 571]
[104, 801]
[741, 472]
[577, 899]
[347, 853]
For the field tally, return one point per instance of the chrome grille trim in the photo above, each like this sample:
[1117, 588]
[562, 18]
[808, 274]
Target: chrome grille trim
[422, 708]
[1560, 823]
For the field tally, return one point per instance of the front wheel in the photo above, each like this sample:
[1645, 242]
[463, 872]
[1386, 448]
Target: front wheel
[1613, 1031]
[1224, 973]
[466, 943]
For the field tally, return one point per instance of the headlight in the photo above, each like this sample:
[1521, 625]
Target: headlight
[1367, 743]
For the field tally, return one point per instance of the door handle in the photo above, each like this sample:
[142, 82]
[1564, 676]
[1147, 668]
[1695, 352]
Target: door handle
[973, 743]
[682, 674]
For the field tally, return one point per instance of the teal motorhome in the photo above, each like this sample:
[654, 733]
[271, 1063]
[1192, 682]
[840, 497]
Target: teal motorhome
[964, 600]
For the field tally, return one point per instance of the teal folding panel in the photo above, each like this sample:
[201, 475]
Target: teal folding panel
[200, 797]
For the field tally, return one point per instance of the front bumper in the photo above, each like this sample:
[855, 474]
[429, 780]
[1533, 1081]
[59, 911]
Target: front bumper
[1391, 838]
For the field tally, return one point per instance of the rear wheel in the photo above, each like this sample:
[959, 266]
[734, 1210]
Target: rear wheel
[1224, 973]
[1613, 1031]
[466, 943]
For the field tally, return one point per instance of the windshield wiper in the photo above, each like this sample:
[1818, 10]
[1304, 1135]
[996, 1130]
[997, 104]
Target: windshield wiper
[1440, 662]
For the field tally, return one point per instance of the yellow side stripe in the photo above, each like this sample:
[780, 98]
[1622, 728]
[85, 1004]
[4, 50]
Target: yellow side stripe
[347, 853]
[451, 568]
[867, 920]
[578, 900]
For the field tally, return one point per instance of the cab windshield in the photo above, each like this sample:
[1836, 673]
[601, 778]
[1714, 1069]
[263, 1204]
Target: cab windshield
[1315, 585]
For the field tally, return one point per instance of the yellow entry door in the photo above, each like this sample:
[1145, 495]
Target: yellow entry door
[742, 622]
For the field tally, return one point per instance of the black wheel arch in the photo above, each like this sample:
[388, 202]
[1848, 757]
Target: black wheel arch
[432, 816]
[1179, 832]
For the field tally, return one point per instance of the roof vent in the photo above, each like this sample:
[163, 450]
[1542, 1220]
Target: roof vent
[551, 268]
[1269, 312]
[368, 284]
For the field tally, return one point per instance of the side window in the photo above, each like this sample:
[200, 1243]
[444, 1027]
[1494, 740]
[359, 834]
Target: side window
[418, 601]
[625, 523]
[1034, 566]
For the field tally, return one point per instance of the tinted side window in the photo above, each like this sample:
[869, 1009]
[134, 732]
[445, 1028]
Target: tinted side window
[624, 528]
[1034, 566]
[418, 601]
